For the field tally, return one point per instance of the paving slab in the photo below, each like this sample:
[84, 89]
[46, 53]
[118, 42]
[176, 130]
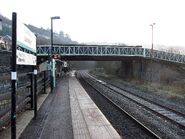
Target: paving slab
[93, 123]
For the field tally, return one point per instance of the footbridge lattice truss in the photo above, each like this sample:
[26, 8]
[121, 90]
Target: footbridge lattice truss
[93, 50]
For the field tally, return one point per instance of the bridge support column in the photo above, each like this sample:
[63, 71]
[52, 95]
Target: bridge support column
[127, 68]
[141, 71]
[132, 68]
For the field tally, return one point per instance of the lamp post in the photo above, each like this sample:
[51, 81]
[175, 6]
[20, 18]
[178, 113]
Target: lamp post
[51, 56]
[152, 25]
[52, 18]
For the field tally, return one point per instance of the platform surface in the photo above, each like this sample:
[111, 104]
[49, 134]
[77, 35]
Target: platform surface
[68, 112]
[88, 121]
[54, 116]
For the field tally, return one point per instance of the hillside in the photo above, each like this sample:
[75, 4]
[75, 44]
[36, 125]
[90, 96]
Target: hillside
[43, 35]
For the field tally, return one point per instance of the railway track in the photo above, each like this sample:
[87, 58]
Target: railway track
[86, 79]
[174, 117]
[167, 113]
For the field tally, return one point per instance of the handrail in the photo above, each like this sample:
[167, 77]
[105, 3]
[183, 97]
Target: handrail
[115, 50]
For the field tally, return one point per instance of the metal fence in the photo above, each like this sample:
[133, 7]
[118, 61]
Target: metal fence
[24, 93]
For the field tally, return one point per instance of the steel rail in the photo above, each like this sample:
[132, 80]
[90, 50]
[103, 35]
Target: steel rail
[129, 115]
[172, 115]
[170, 109]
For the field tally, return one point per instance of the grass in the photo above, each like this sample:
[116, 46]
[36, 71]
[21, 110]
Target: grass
[171, 90]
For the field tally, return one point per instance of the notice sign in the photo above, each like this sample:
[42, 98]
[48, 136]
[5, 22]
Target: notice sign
[25, 58]
[27, 40]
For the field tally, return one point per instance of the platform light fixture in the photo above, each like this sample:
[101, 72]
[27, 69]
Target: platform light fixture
[52, 18]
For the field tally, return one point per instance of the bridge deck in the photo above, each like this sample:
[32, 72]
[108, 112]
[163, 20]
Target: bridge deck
[111, 51]
[69, 112]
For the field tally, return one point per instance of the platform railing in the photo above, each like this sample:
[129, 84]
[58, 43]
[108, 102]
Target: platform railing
[24, 93]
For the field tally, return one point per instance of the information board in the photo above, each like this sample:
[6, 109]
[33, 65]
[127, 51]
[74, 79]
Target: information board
[26, 40]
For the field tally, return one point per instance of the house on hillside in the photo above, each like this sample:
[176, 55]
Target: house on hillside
[5, 42]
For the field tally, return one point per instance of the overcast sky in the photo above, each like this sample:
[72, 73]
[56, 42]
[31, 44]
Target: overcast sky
[126, 21]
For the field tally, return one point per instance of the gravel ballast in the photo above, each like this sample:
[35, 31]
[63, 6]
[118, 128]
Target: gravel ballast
[162, 127]
[120, 121]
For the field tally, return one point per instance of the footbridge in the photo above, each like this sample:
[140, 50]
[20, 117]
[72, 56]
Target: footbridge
[106, 52]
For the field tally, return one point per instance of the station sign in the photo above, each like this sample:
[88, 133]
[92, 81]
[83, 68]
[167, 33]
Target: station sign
[23, 53]
[25, 58]
[26, 40]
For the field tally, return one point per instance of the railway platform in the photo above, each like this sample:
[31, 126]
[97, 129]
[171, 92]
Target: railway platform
[68, 112]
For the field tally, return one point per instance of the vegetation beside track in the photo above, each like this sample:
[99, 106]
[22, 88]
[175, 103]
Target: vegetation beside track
[173, 90]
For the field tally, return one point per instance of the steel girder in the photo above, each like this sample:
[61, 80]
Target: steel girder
[44, 50]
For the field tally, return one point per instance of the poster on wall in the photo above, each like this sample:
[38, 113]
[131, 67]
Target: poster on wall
[26, 40]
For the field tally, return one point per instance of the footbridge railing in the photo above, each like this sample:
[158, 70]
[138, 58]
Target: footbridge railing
[99, 50]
